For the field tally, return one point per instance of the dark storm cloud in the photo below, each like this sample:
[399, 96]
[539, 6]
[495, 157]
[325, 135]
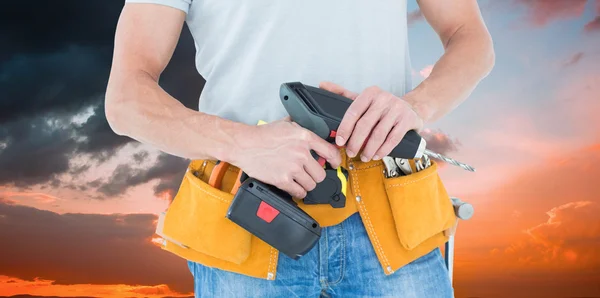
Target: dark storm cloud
[95, 183]
[50, 26]
[76, 170]
[110, 249]
[35, 152]
[169, 184]
[39, 149]
[100, 141]
[140, 156]
[168, 169]
[62, 82]
[57, 66]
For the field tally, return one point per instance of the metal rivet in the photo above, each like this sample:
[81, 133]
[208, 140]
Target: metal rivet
[389, 269]
[351, 166]
[270, 276]
[358, 198]
[204, 163]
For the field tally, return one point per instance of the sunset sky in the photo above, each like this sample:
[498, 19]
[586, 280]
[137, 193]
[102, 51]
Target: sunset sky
[78, 204]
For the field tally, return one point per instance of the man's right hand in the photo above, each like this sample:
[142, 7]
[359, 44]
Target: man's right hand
[279, 153]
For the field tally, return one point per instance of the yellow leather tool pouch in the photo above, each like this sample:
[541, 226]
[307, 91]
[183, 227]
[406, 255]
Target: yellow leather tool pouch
[196, 219]
[420, 205]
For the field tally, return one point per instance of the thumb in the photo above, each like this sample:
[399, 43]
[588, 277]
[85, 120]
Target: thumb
[285, 119]
[337, 89]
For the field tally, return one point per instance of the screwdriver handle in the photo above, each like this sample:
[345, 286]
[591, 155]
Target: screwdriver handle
[462, 209]
[411, 146]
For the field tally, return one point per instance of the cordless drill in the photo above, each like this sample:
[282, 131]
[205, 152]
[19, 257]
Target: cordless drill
[270, 213]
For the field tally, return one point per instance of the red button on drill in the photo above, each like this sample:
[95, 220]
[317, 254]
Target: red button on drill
[332, 134]
[322, 161]
[266, 212]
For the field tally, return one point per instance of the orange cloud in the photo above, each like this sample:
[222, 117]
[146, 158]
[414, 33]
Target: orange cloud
[36, 196]
[167, 195]
[568, 239]
[111, 249]
[535, 235]
[158, 241]
[6, 201]
[10, 286]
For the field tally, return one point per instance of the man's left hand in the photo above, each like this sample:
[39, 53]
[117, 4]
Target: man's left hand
[376, 117]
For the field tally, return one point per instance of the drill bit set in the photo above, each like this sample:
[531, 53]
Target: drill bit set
[395, 167]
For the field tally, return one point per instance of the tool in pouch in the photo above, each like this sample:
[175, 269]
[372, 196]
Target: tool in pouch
[273, 216]
[321, 112]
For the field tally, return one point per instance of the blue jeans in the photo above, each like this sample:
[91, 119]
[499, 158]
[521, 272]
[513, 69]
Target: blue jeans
[342, 264]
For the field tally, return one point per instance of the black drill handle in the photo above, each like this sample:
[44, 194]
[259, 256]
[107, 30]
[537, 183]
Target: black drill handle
[411, 146]
[321, 112]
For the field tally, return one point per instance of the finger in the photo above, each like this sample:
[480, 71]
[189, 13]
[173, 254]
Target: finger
[363, 128]
[331, 87]
[378, 137]
[358, 107]
[294, 189]
[393, 139]
[305, 180]
[315, 170]
[326, 150]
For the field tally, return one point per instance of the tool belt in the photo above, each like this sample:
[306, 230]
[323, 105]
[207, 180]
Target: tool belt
[405, 218]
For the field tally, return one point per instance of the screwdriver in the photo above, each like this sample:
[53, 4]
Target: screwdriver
[414, 146]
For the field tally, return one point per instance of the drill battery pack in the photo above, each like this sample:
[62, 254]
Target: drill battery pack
[272, 215]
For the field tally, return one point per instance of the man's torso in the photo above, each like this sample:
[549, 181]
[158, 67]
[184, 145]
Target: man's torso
[246, 49]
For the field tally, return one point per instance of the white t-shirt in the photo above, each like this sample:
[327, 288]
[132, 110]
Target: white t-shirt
[245, 49]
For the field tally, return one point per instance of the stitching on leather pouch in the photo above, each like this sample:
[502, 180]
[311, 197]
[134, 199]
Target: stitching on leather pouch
[369, 225]
[206, 192]
[411, 181]
[271, 258]
[369, 167]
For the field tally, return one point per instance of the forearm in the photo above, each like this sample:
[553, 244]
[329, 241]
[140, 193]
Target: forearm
[468, 58]
[139, 108]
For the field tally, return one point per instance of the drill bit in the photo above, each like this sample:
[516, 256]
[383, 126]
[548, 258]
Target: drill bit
[449, 160]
